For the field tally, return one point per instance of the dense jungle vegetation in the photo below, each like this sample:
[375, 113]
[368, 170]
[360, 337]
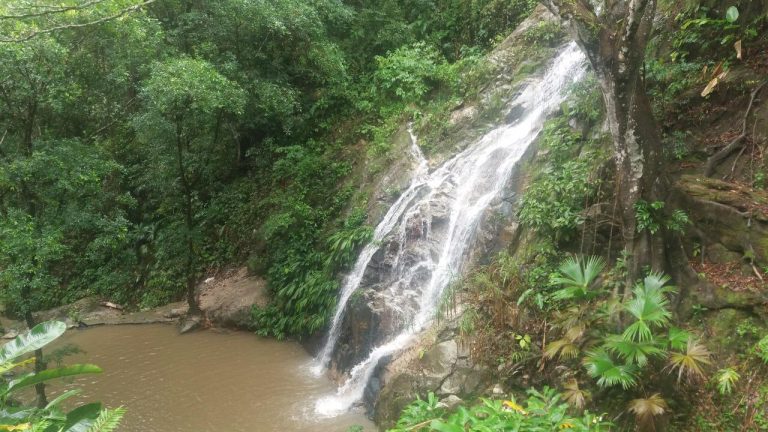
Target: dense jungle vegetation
[147, 144]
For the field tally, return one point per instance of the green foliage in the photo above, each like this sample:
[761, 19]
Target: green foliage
[544, 33]
[701, 33]
[761, 349]
[576, 277]
[553, 202]
[90, 418]
[676, 145]
[409, 72]
[726, 379]
[651, 217]
[541, 411]
[585, 102]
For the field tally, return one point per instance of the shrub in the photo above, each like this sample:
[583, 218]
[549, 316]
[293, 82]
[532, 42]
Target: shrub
[542, 411]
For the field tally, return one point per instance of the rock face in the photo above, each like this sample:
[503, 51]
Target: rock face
[227, 301]
[731, 226]
[439, 364]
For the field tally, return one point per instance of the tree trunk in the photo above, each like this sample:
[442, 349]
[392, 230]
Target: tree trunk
[614, 42]
[194, 307]
[42, 399]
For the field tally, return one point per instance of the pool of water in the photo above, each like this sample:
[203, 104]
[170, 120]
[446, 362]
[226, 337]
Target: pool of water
[207, 381]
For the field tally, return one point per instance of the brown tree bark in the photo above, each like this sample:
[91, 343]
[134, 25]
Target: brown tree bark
[42, 399]
[614, 41]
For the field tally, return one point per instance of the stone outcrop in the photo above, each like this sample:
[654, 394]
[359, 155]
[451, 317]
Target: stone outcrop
[439, 363]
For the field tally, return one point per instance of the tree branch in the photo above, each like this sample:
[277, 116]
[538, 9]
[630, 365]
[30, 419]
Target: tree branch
[52, 11]
[718, 157]
[79, 25]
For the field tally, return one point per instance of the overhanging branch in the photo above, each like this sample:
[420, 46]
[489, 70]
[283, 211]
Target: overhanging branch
[36, 33]
[52, 11]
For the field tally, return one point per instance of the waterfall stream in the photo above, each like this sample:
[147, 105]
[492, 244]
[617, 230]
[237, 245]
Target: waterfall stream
[426, 235]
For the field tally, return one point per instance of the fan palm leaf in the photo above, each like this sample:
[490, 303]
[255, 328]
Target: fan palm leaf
[576, 277]
[690, 364]
[608, 373]
[647, 409]
[633, 352]
[574, 395]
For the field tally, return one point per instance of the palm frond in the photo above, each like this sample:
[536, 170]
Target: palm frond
[726, 379]
[690, 363]
[564, 349]
[608, 373]
[647, 409]
[650, 308]
[678, 338]
[574, 395]
[633, 352]
[576, 276]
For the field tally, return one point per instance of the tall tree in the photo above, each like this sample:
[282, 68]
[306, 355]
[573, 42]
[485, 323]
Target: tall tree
[614, 36]
[188, 105]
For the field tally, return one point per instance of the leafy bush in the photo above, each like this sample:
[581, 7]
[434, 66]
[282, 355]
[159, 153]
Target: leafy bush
[544, 33]
[541, 411]
[761, 349]
[410, 71]
[91, 417]
[700, 33]
[553, 202]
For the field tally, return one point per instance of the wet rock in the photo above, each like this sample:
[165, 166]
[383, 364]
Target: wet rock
[497, 390]
[190, 323]
[440, 360]
[450, 402]
[11, 334]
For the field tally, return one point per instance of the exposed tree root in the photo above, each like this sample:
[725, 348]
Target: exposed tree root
[737, 142]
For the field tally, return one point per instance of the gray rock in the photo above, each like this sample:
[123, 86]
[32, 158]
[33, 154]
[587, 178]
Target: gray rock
[190, 323]
[441, 359]
[450, 402]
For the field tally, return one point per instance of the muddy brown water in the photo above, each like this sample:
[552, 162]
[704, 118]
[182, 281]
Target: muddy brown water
[208, 381]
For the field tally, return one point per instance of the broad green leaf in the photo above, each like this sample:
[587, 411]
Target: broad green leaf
[82, 418]
[732, 14]
[40, 336]
[61, 398]
[49, 374]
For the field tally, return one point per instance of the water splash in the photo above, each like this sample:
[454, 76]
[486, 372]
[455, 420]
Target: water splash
[433, 226]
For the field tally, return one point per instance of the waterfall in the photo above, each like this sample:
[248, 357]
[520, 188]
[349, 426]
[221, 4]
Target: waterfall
[428, 232]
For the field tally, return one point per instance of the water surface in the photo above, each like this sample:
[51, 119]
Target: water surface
[207, 381]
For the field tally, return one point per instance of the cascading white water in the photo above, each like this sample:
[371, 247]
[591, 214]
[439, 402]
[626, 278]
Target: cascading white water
[464, 187]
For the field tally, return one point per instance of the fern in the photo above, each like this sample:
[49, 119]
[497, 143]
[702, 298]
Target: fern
[108, 420]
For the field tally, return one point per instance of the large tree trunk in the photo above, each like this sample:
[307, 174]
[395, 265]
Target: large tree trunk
[614, 42]
[640, 170]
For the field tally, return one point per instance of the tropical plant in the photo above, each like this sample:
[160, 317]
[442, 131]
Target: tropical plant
[726, 379]
[577, 276]
[574, 395]
[761, 349]
[542, 411]
[50, 418]
[689, 363]
[647, 409]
